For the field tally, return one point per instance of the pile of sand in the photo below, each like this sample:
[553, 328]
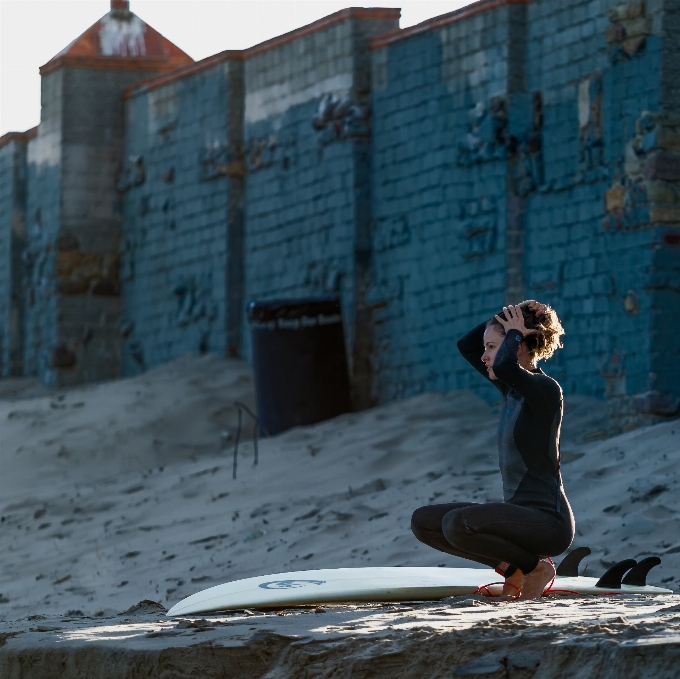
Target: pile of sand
[123, 491]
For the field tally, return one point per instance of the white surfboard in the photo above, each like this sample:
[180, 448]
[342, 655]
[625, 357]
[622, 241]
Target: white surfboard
[346, 585]
[584, 585]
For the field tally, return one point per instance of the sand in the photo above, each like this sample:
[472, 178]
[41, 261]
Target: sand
[123, 491]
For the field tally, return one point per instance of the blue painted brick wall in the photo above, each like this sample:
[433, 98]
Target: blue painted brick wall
[427, 291]
[43, 216]
[429, 184]
[305, 211]
[573, 264]
[12, 206]
[176, 219]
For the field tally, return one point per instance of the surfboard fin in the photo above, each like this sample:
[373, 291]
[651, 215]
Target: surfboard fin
[569, 565]
[612, 578]
[638, 575]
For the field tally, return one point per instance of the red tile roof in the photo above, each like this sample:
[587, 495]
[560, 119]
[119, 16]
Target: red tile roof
[120, 40]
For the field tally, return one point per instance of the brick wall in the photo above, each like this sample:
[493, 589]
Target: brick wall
[182, 252]
[307, 140]
[588, 254]
[508, 150]
[43, 215]
[12, 241]
[496, 172]
[439, 198]
[89, 242]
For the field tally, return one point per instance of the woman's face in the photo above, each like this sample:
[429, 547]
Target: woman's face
[492, 340]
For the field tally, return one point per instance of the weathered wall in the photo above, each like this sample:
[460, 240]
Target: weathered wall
[307, 203]
[584, 264]
[43, 214]
[502, 174]
[183, 217]
[439, 196]
[89, 242]
[12, 242]
[74, 220]
[508, 150]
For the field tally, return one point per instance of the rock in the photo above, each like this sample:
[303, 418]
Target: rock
[146, 607]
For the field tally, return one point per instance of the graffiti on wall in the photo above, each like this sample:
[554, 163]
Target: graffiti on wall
[391, 233]
[326, 276]
[195, 302]
[269, 151]
[196, 306]
[525, 142]
[132, 174]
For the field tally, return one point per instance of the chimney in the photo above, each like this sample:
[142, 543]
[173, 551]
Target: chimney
[120, 5]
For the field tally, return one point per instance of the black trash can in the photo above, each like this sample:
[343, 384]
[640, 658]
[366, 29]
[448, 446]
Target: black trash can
[300, 362]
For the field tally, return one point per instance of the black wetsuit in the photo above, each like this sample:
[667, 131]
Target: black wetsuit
[535, 519]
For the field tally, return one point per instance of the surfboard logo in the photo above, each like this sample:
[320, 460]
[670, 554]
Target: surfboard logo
[290, 584]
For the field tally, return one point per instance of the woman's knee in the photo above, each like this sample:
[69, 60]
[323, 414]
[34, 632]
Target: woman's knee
[455, 529]
[419, 521]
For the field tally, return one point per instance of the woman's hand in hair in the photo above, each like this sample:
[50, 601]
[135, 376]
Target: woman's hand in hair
[515, 320]
[538, 308]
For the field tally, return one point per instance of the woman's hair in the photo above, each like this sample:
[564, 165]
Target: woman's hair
[546, 341]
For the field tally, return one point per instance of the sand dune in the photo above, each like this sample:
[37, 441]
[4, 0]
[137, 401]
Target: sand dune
[123, 491]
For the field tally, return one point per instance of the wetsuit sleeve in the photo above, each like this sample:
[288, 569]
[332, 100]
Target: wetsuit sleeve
[508, 370]
[471, 346]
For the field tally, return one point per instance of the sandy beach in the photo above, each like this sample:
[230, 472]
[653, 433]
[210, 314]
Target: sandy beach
[123, 491]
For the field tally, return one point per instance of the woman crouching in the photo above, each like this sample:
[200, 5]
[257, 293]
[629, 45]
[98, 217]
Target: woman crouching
[535, 520]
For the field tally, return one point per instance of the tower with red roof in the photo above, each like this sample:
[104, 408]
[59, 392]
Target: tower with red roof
[73, 222]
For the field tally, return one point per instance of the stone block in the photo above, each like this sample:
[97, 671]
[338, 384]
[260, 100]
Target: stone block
[662, 192]
[638, 27]
[664, 215]
[614, 198]
[664, 166]
[627, 11]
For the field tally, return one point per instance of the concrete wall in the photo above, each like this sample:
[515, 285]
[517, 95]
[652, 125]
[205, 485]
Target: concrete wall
[183, 217]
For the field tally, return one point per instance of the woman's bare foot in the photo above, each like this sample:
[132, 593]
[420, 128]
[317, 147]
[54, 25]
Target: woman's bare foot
[536, 581]
[513, 584]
